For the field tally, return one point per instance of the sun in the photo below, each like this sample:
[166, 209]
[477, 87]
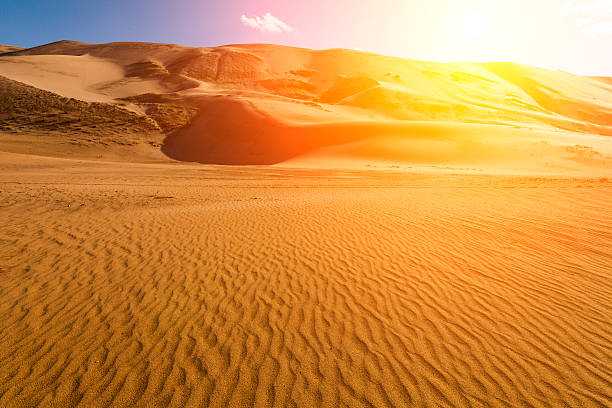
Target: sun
[473, 24]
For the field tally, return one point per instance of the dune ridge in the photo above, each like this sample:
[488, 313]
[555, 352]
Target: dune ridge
[4, 49]
[293, 101]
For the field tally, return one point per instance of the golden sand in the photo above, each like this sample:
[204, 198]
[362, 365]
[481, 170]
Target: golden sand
[390, 233]
[181, 285]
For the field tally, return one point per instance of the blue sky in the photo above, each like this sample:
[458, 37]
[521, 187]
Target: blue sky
[574, 35]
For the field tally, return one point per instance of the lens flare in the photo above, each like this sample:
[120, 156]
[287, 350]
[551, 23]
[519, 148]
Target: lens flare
[473, 24]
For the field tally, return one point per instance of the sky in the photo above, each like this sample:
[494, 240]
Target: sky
[572, 35]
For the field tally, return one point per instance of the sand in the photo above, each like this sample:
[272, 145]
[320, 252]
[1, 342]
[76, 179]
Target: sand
[166, 285]
[262, 104]
[258, 225]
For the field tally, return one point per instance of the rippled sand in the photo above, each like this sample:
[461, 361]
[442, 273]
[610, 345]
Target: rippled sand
[181, 285]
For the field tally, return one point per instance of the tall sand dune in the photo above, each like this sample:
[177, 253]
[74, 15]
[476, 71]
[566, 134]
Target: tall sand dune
[264, 104]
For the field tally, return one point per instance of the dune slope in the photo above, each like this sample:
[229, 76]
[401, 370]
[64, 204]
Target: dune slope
[265, 104]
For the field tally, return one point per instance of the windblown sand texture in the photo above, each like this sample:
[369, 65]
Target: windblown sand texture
[398, 233]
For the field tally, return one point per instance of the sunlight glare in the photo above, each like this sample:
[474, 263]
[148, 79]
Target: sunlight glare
[473, 24]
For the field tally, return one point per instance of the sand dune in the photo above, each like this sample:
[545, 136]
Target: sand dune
[8, 48]
[257, 225]
[294, 103]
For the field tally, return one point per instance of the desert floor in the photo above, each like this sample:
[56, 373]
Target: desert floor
[190, 285]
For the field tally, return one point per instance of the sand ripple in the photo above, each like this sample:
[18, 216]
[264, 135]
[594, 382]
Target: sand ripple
[161, 286]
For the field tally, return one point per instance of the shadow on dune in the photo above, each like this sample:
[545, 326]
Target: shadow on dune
[235, 132]
[227, 131]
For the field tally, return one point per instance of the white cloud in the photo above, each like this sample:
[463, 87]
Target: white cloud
[593, 18]
[266, 23]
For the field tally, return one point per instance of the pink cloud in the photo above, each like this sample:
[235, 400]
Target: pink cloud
[266, 23]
